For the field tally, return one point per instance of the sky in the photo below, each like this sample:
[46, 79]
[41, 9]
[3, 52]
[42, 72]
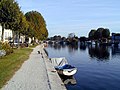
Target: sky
[76, 16]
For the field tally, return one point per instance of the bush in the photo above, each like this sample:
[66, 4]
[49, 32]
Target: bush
[2, 53]
[22, 45]
[5, 46]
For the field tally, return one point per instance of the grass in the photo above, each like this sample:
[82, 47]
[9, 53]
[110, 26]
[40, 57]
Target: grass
[33, 46]
[11, 63]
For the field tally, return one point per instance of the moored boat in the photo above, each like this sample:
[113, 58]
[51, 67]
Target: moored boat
[66, 70]
[62, 66]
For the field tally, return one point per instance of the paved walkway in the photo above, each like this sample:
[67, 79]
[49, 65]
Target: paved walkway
[35, 74]
[31, 76]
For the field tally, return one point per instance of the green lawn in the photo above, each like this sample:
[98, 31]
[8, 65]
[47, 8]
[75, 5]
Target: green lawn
[11, 63]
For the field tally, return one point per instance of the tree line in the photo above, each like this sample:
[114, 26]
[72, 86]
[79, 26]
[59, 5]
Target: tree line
[100, 33]
[31, 24]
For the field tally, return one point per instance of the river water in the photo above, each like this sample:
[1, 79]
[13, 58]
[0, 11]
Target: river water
[98, 67]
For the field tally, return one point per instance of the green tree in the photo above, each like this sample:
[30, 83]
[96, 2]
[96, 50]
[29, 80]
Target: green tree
[106, 33]
[9, 14]
[98, 33]
[21, 27]
[37, 25]
[23, 24]
[82, 39]
[92, 34]
[30, 32]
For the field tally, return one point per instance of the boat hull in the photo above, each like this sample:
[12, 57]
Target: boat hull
[67, 72]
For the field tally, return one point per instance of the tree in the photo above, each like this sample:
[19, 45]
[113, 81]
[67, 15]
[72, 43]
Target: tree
[23, 24]
[21, 27]
[82, 39]
[105, 33]
[92, 34]
[99, 34]
[9, 14]
[37, 25]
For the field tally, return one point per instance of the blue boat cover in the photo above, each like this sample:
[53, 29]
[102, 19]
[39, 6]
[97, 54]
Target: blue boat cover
[66, 66]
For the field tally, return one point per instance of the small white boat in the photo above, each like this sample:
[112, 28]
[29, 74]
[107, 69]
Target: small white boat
[66, 70]
[62, 66]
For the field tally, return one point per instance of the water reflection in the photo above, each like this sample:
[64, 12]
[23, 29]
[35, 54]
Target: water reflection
[99, 52]
[57, 46]
[91, 75]
[82, 47]
[68, 80]
[72, 48]
[115, 51]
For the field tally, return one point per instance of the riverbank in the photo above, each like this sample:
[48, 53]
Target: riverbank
[9, 64]
[37, 73]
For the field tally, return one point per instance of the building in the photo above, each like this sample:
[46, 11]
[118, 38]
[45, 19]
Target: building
[7, 34]
[115, 37]
[71, 35]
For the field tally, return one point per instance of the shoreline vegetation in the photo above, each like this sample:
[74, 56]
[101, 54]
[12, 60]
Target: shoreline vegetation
[9, 64]
[27, 29]
[100, 36]
[31, 25]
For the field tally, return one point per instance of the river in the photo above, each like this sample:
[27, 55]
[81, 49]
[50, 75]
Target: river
[98, 67]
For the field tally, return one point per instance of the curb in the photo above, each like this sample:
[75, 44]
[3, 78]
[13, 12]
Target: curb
[54, 81]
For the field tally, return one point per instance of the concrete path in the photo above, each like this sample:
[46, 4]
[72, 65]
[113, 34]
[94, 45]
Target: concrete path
[31, 76]
[35, 75]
